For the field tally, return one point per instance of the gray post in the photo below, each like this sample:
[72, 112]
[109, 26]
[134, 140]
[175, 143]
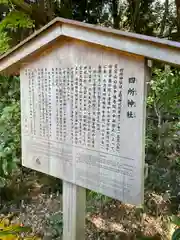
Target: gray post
[74, 208]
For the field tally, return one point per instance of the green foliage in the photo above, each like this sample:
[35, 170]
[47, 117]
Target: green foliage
[175, 220]
[13, 22]
[56, 225]
[165, 89]
[14, 231]
[163, 140]
[9, 125]
[176, 234]
[16, 19]
[4, 42]
[4, 2]
[96, 201]
[163, 116]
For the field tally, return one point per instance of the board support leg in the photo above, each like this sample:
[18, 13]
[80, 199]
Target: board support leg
[74, 209]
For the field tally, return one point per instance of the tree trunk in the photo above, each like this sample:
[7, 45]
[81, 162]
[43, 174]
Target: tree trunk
[66, 9]
[134, 6]
[115, 13]
[163, 24]
[177, 2]
[136, 15]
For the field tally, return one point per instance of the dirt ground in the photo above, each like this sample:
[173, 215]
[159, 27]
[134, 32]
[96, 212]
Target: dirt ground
[105, 218]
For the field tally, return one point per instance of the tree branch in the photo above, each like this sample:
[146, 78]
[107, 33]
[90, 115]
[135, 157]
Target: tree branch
[22, 5]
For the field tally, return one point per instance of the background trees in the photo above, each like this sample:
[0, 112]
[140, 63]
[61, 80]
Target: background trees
[152, 17]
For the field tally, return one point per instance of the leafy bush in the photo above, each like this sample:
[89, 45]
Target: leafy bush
[14, 231]
[56, 225]
[9, 126]
[163, 122]
[163, 133]
[12, 26]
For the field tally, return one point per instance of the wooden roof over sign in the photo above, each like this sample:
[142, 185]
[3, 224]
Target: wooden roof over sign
[149, 47]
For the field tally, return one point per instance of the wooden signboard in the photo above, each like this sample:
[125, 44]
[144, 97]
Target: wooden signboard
[83, 91]
[83, 111]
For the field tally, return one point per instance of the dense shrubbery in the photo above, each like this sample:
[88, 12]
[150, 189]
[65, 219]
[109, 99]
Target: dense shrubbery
[163, 132]
[9, 126]
[10, 230]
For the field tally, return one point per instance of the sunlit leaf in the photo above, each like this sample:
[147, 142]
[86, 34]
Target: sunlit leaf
[176, 234]
[176, 220]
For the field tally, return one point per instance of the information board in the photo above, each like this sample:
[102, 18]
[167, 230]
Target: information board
[83, 111]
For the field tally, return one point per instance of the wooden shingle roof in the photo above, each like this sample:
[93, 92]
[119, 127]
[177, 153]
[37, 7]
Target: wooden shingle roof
[149, 47]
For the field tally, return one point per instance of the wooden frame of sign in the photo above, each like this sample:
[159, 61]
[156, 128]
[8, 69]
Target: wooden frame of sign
[83, 92]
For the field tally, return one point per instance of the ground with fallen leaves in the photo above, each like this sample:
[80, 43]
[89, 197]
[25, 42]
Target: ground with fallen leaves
[105, 219]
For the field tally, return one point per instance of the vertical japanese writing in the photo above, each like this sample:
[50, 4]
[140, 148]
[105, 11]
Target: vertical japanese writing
[40, 101]
[108, 108]
[80, 103]
[64, 94]
[131, 102]
[30, 102]
[93, 126]
[88, 101]
[57, 103]
[113, 115]
[76, 93]
[119, 104]
[98, 112]
[60, 106]
[103, 105]
[49, 106]
[43, 102]
[72, 104]
[33, 102]
[84, 102]
[46, 103]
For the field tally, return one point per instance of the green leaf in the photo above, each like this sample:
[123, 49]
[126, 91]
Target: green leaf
[4, 42]
[2, 182]
[175, 220]
[2, 154]
[5, 2]
[16, 19]
[176, 234]
[14, 231]
[4, 166]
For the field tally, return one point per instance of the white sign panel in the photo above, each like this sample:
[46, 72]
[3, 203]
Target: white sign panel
[83, 118]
